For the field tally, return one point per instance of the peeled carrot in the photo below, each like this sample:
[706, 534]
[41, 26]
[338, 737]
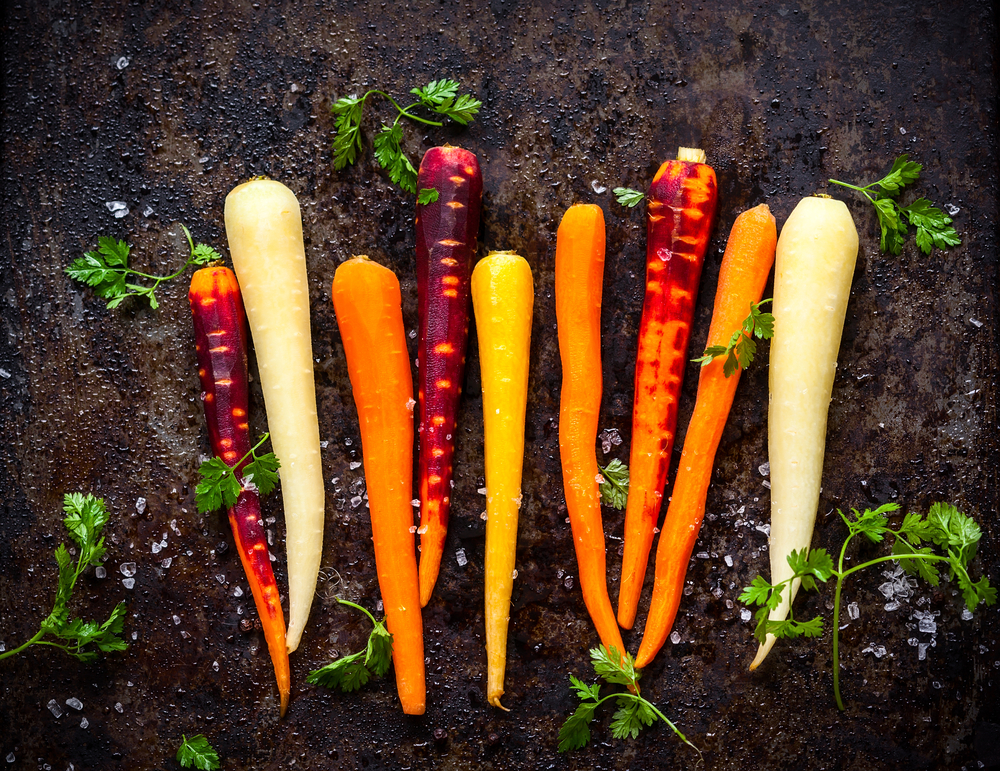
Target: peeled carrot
[502, 297]
[366, 300]
[446, 243]
[221, 345]
[680, 212]
[813, 269]
[745, 268]
[580, 245]
[264, 228]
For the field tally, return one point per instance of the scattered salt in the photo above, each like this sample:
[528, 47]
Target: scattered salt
[128, 583]
[54, 708]
[118, 208]
[215, 666]
[122, 63]
[75, 703]
[853, 612]
[514, 574]
[166, 562]
[4, 374]
[409, 404]
[951, 209]
[745, 614]
[238, 592]
[922, 651]
[100, 571]
[765, 529]
[927, 625]
[11, 757]
[481, 491]
[356, 501]
[891, 606]
[597, 187]
[976, 323]
[675, 637]
[177, 619]
[415, 503]
[484, 516]
[127, 569]
[156, 547]
[413, 528]
[702, 555]
[221, 578]
[118, 707]
[460, 558]
[140, 505]
[765, 469]
[729, 560]
[355, 464]
[966, 614]
[84, 723]
[610, 438]
[323, 445]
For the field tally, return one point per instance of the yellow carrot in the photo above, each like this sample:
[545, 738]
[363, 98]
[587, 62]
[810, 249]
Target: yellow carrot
[502, 298]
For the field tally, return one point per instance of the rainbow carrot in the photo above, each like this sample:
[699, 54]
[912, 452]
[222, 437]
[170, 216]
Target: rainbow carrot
[745, 268]
[680, 212]
[367, 303]
[446, 243]
[221, 345]
[580, 245]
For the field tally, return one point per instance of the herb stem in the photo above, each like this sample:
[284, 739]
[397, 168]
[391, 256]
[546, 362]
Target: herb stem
[403, 110]
[892, 558]
[18, 649]
[611, 480]
[357, 607]
[673, 728]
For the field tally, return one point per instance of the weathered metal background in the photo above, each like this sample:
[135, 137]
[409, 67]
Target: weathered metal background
[166, 106]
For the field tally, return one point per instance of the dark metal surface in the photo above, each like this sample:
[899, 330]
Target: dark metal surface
[781, 95]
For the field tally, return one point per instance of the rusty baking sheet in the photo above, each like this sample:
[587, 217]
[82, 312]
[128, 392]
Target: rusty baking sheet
[166, 107]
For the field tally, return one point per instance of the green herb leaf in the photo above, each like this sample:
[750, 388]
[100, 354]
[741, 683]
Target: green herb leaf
[933, 227]
[575, 732]
[757, 593]
[626, 196]
[219, 486]
[614, 484]
[613, 667]
[196, 752]
[392, 158]
[427, 195]
[632, 714]
[742, 348]
[349, 673]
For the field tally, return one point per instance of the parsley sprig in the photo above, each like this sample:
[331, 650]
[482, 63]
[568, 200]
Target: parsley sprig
[614, 484]
[955, 535]
[349, 673]
[742, 348]
[107, 270]
[85, 519]
[220, 487]
[633, 711]
[439, 97]
[933, 225]
[196, 752]
[628, 197]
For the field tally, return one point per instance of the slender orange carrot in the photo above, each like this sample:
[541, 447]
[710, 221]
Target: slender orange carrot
[367, 303]
[580, 247]
[679, 220]
[221, 343]
[745, 268]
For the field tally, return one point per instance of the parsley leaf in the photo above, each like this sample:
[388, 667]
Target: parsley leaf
[614, 484]
[427, 195]
[945, 527]
[220, 487]
[85, 518]
[742, 348]
[349, 673]
[933, 227]
[106, 270]
[626, 196]
[438, 96]
[196, 752]
[633, 711]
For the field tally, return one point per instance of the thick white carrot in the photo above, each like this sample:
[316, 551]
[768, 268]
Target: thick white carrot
[813, 268]
[264, 228]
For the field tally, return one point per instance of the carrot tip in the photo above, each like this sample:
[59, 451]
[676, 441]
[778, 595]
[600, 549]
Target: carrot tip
[494, 700]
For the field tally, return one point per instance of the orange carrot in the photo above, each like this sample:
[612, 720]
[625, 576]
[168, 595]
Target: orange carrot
[367, 303]
[745, 268]
[579, 279]
[679, 220]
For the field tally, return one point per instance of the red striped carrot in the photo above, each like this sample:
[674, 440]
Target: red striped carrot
[681, 207]
[221, 345]
[446, 243]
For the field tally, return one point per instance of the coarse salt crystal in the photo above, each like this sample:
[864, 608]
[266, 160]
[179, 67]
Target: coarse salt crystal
[166, 562]
[461, 558]
[75, 703]
[729, 560]
[355, 464]
[221, 578]
[140, 505]
[127, 569]
[238, 592]
[215, 665]
[176, 619]
[84, 723]
[128, 583]
[675, 637]
[745, 614]
[100, 571]
[54, 708]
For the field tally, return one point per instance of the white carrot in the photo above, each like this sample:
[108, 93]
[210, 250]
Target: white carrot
[264, 228]
[813, 268]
